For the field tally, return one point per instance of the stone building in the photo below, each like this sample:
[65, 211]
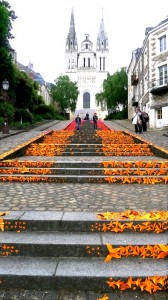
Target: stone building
[148, 76]
[88, 68]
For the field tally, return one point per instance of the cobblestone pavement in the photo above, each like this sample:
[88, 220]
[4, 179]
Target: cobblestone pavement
[82, 197]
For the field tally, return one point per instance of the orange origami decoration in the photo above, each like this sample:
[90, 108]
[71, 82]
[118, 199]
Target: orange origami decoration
[157, 251]
[116, 227]
[134, 215]
[149, 284]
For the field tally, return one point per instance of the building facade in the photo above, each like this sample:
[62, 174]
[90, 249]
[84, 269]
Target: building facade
[87, 67]
[148, 76]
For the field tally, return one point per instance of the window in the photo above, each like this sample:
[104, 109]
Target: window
[84, 62]
[86, 46]
[89, 62]
[159, 114]
[103, 63]
[163, 75]
[162, 43]
[86, 100]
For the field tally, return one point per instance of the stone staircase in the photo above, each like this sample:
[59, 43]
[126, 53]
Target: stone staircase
[86, 144]
[86, 171]
[66, 251]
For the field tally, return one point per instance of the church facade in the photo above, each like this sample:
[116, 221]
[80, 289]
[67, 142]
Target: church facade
[87, 67]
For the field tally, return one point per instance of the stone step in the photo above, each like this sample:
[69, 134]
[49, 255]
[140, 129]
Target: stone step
[25, 221]
[51, 251]
[137, 179]
[83, 274]
[104, 164]
[71, 244]
[84, 171]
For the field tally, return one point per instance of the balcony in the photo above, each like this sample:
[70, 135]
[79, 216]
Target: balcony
[159, 87]
[134, 101]
[134, 80]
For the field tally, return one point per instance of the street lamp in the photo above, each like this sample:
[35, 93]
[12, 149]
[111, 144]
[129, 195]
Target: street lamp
[5, 85]
[5, 127]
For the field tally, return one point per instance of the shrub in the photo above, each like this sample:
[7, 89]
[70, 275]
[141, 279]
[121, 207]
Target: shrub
[8, 109]
[25, 115]
[47, 116]
[43, 109]
[118, 115]
[38, 118]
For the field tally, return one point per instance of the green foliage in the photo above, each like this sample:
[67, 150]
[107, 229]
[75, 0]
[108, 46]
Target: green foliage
[43, 109]
[8, 109]
[118, 115]
[47, 116]
[65, 93]
[114, 90]
[4, 25]
[24, 115]
[1, 121]
[38, 118]
[59, 117]
[25, 92]
[6, 68]
[6, 17]
[40, 100]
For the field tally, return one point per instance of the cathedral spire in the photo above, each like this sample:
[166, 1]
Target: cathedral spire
[71, 41]
[102, 39]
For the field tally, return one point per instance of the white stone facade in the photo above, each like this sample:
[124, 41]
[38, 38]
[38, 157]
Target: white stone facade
[88, 68]
[148, 76]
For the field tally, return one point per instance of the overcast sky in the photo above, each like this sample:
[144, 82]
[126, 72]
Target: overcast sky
[42, 26]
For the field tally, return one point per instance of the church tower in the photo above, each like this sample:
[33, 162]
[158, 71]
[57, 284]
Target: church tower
[102, 48]
[87, 67]
[71, 47]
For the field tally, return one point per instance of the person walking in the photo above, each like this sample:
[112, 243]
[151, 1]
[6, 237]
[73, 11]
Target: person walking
[145, 120]
[137, 120]
[95, 119]
[78, 122]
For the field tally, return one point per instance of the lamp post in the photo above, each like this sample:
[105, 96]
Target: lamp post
[5, 127]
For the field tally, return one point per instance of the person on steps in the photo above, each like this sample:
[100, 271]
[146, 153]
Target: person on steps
[95, 119]
[78, 122]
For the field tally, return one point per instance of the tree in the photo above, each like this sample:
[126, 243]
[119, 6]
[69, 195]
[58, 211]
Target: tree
[114, 90]
[25, 90]
[65, 93]
[7, 16]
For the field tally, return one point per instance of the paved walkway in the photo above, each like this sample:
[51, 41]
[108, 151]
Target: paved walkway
[81, 197]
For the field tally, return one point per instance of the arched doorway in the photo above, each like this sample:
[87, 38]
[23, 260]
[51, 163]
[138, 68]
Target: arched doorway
[86, 100]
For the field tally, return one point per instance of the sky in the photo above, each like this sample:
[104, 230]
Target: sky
[42, 26]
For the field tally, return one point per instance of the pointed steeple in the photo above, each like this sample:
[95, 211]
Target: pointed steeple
[71, 41]
[102, 39]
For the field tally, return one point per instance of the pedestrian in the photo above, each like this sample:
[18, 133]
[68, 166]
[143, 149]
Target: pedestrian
[145, 120]
[78, 122]
[137, 120]
[95, 119]
[87, 116]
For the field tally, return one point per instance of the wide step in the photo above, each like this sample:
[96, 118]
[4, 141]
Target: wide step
[82, 274]
[67, 251]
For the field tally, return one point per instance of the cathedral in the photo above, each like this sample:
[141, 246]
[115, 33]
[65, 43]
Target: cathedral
[87, 67]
